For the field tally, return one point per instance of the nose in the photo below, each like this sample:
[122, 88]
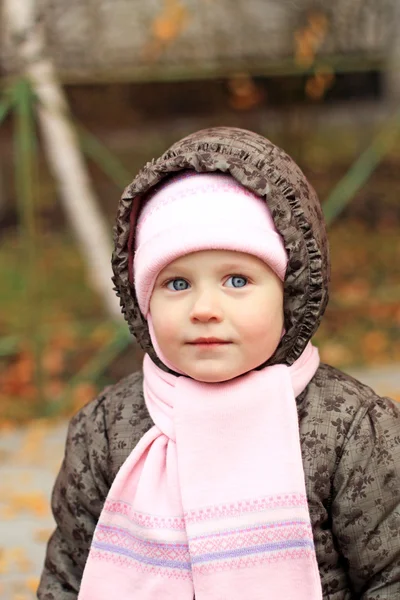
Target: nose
[206, 307]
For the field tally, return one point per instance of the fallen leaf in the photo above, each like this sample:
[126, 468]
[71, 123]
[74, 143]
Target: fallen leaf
[3, 561]
[7, 513]
[33, 502]
[32, 583]
[42, 535]
[18, 559]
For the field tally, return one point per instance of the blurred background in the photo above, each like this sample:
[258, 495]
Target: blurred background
[93, 89]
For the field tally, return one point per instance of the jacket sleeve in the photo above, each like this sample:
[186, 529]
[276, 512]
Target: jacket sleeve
[78, 496]
[366, 502]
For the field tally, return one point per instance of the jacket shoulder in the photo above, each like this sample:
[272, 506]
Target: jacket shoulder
[119, 417]
[332, 391]
[332, 411]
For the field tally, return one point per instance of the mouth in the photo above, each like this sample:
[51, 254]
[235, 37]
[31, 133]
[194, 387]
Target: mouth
[211, 341]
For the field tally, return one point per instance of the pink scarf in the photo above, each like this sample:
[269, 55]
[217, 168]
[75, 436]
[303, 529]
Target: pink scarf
[212, 502]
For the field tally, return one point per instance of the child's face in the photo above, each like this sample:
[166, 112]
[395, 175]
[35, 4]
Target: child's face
[232, 296]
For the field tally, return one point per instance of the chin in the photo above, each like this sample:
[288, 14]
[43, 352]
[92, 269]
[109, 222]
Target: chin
[213, 377]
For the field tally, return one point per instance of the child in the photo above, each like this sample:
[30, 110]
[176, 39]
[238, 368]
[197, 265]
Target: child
[236, 467]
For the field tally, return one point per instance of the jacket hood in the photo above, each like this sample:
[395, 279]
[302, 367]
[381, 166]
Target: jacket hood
[268, 171]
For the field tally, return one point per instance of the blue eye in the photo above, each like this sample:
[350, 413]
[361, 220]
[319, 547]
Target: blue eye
[237, 281]
[178, 285]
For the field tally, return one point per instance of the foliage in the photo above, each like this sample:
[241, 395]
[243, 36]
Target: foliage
[362, 323]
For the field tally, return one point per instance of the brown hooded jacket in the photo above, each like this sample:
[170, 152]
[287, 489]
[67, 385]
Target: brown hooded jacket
[350, 437]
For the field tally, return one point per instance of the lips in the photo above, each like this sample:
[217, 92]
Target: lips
[208, 341]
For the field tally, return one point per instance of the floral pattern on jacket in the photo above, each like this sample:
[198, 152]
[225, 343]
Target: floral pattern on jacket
[350, 437]
[350, 442]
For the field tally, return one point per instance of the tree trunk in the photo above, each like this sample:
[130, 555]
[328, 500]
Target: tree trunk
[62, 148]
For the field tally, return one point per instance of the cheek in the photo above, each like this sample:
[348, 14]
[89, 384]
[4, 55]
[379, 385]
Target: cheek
[263, 325]
[259, 327]
[166, 332]
[165, 323]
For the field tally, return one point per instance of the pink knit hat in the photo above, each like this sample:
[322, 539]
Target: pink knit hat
[201, 211]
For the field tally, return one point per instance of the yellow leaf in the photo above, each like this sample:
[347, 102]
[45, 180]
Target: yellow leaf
[7, 513]
[34, 502]
[32, 583]
[171, 21]
[3, 562]
[42, 535]
[309, 39]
